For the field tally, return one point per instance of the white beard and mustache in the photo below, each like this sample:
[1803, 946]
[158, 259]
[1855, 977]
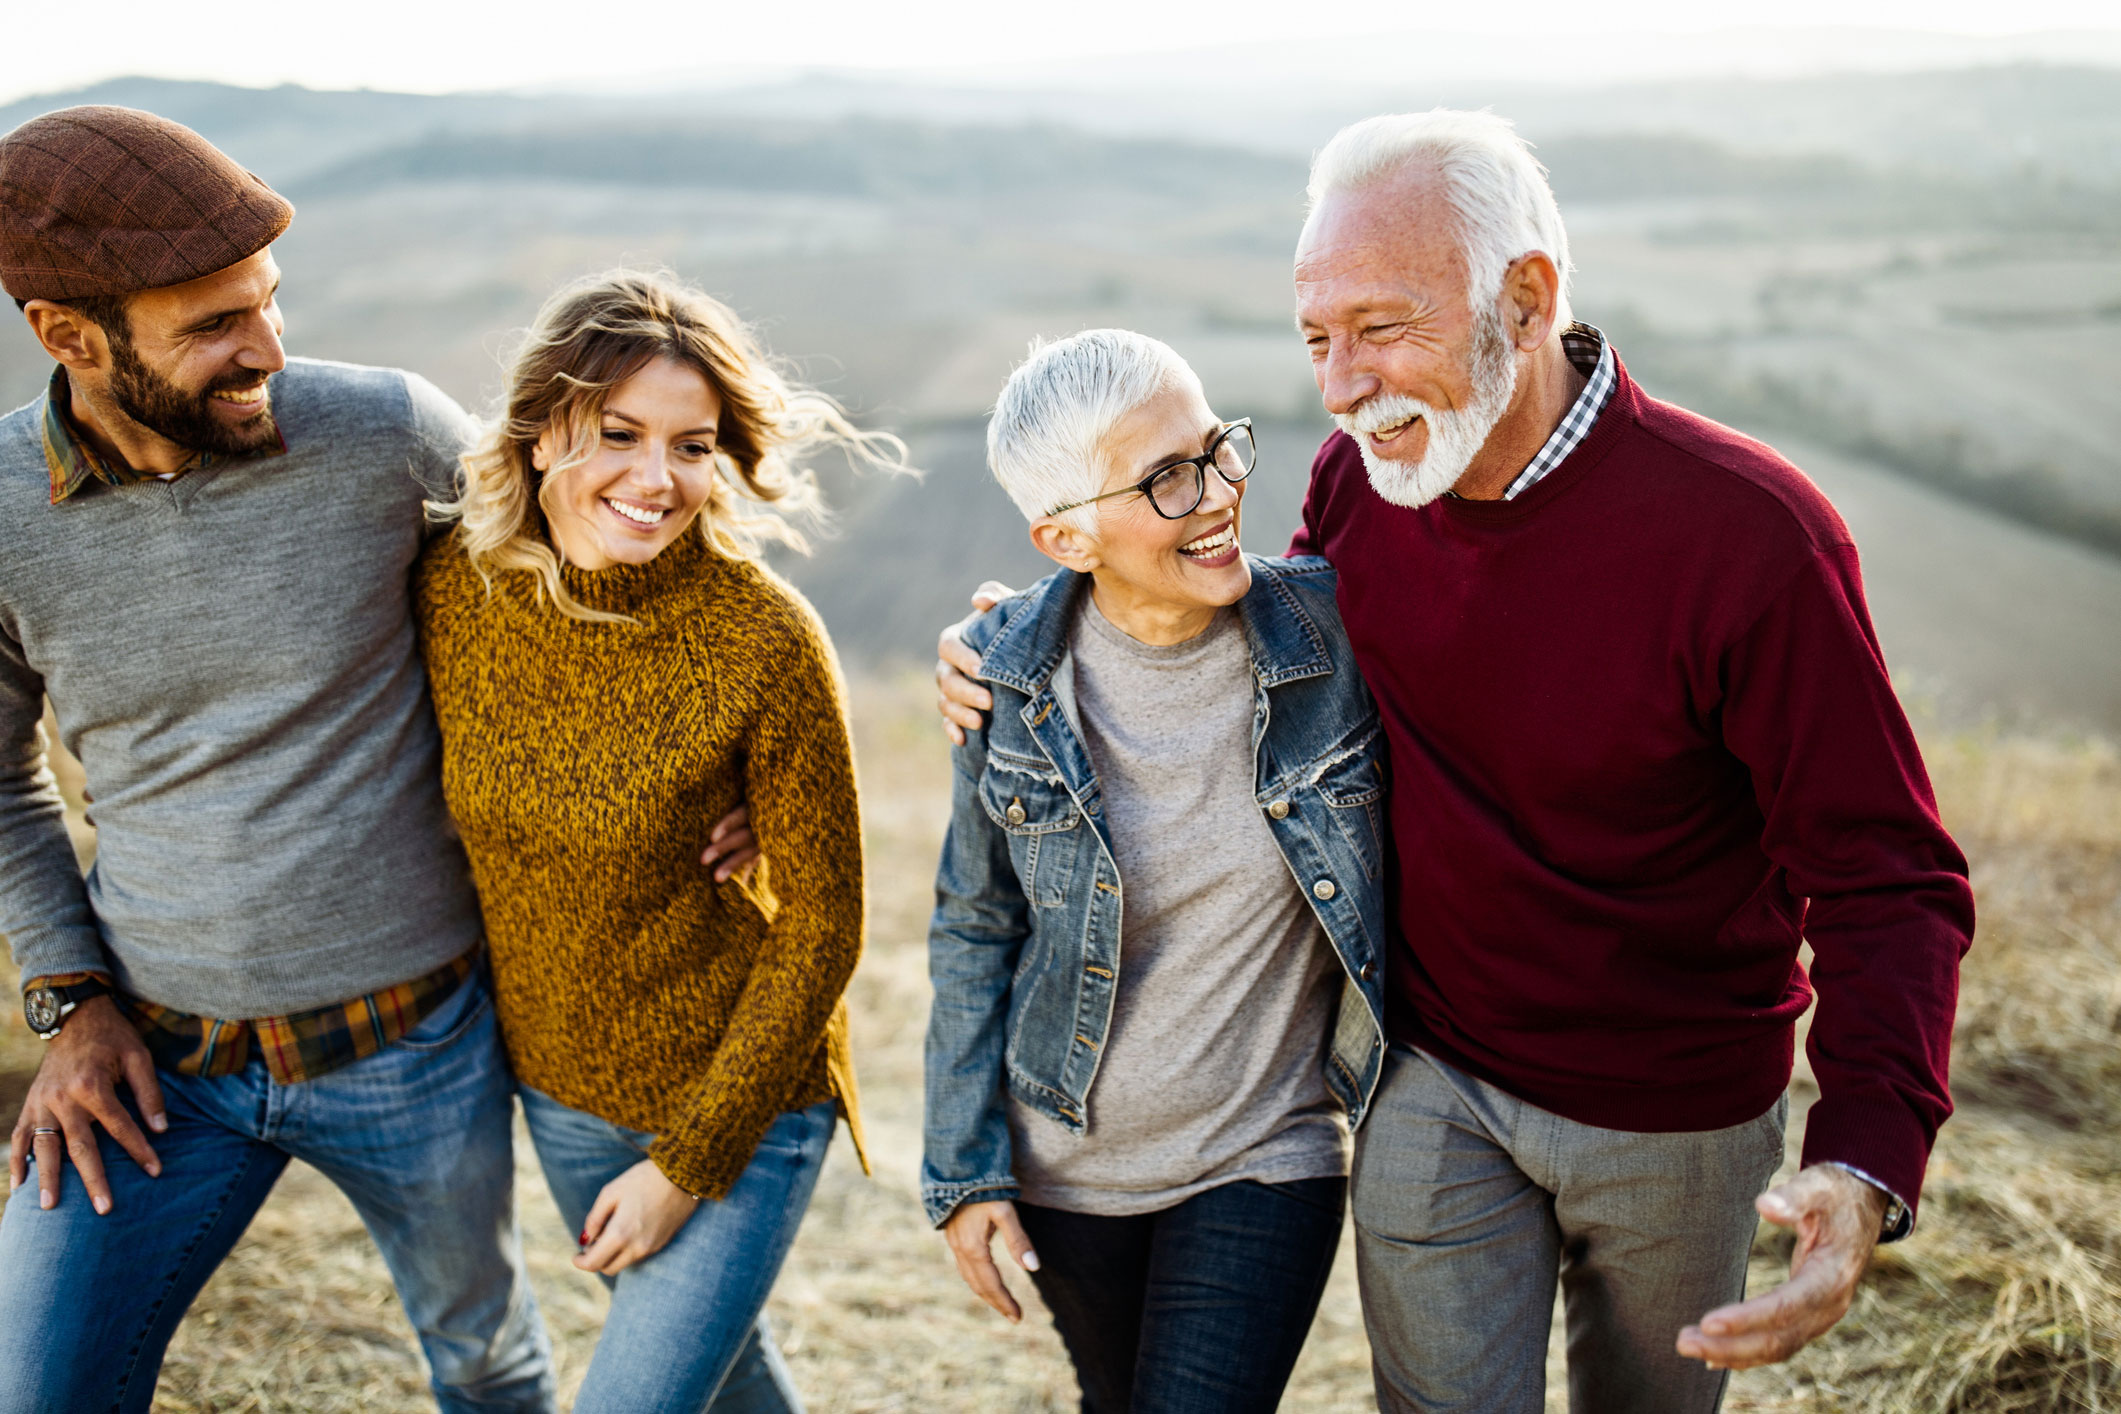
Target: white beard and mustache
[1456, 435]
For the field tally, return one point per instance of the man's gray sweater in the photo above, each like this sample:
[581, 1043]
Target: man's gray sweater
[232, 656]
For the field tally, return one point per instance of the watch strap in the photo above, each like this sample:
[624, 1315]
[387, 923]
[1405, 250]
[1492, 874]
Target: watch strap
[69, 990]
[57, 980]
[85, 989]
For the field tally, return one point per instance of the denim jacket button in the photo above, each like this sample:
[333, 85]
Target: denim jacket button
[1279, 810]
[1369, 970]
[1016, 812]
[1324, 888]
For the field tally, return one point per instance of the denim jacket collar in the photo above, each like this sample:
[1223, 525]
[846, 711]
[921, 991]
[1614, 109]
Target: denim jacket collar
[1033, 645]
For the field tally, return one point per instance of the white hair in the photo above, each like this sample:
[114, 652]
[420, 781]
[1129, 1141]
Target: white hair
[1045, 442]
[1496, 189]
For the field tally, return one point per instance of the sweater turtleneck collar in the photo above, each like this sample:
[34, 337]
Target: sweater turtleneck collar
[630, 589]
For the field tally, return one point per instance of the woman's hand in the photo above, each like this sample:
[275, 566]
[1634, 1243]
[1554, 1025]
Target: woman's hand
[971, 1231]
[633, 1219]
[731, 847]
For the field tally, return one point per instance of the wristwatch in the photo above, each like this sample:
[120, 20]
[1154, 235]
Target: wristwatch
[46, 1008]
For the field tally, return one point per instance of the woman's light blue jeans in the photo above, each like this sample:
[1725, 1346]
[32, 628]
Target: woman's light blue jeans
[685, 1332]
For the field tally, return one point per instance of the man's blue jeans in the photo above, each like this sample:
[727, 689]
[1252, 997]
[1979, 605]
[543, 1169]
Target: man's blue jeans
[417, 1136]
[684, 1333]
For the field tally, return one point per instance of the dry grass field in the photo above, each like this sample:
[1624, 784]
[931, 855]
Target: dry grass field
[2008, 1299]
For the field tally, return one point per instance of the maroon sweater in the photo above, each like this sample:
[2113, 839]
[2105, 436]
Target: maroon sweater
[1642, 741]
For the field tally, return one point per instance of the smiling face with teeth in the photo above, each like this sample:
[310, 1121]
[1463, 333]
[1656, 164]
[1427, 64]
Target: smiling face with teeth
[648, 468]
[1158, 580]
[182, 371]
[1439, 395]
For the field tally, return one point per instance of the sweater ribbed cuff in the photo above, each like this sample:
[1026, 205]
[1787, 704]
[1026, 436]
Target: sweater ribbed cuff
[708, 1151]
[49, 952]
[705, 1164]
[1884, 1139]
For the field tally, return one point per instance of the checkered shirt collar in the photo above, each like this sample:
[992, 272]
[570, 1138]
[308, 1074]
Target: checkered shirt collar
[1592, 355]
[73, 463]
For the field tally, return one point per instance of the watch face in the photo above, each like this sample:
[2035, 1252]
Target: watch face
[41, 1007]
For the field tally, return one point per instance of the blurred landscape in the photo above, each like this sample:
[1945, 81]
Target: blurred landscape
[1909, 282]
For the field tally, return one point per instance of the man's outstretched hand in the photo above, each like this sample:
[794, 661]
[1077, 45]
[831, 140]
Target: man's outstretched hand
[959, 698]
[1836, 1217]
[76, 1089]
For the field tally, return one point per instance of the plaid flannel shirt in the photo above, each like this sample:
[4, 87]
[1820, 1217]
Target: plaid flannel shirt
[74, 463]
[295, 1048]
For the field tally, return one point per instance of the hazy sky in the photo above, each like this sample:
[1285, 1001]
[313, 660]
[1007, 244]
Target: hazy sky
[436, 45]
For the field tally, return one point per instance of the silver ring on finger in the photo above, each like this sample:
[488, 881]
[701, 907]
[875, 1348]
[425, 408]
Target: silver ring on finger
[41, 1130]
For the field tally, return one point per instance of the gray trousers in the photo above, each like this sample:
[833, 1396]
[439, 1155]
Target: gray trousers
[1468, 1204]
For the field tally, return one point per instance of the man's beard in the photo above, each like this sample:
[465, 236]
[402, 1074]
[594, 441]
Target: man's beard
[188, 419]
[1456, 435]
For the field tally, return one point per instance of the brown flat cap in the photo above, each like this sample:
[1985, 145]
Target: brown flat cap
[106, 201]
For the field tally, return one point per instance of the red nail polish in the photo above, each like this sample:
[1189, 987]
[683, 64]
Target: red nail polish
[583, 1240]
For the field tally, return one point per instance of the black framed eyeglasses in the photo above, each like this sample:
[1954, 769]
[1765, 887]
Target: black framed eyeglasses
[1176, 491]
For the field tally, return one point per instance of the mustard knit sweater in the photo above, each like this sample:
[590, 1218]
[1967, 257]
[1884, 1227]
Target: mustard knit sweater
[585, 763]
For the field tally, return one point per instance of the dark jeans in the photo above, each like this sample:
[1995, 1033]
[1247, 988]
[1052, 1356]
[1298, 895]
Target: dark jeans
[1196, 1309]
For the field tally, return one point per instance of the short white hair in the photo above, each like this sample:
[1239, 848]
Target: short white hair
[1045, 442]
[1496, 189]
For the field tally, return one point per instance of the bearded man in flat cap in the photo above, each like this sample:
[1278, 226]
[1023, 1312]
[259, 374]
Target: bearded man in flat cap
[276, 952]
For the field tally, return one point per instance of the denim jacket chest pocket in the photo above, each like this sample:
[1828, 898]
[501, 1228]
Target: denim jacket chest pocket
[1325, 803]
[1351, 784]
[1030, 803]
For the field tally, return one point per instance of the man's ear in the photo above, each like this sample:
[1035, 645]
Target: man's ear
[1064, 545]
[69, 336]
[1531, 297]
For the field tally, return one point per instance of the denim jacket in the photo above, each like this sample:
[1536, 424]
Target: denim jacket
[1024, 945]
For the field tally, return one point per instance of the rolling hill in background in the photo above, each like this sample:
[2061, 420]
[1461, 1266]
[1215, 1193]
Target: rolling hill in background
[1910, 282]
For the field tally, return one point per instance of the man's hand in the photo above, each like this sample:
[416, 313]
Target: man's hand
[76, 1089]
[634, 1217]
[960, 699]
[731, 847]
[1836, 1217]
[970, 1232]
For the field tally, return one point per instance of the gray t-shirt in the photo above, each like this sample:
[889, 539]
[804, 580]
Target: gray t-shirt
[1213, 1066]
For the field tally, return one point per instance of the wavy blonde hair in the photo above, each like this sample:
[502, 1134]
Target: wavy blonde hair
[588, 339]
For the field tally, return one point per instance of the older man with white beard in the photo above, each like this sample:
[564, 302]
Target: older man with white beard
[1643, 745]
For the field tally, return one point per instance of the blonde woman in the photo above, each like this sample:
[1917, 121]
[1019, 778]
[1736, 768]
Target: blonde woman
[612, 664]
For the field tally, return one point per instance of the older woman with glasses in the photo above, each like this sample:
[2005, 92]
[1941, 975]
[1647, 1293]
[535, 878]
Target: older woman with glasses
[1159, 908]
